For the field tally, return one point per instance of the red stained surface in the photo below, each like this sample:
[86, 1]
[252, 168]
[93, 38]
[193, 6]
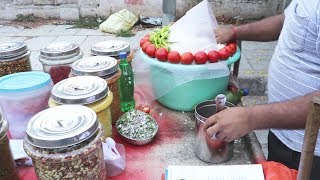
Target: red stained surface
[141, 162]
[134, 1]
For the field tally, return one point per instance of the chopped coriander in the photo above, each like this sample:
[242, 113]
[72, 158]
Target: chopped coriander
[137, 125]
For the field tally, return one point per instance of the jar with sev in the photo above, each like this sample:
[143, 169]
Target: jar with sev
[90, 91]
[106, 68]
[14, 57]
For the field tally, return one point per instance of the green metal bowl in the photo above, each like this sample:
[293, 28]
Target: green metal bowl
[185, 96]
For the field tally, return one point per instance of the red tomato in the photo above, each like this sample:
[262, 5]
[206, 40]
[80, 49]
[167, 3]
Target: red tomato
[174, 57]
[230, 49]
[200, 57]
[145, 45]
[213, 56]
[143, 40]
[162, 54]
[187, 58]
[224, 53]
[151, 50]
[233, 46]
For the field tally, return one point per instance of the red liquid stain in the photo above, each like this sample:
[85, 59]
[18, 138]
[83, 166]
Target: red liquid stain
[134, 1]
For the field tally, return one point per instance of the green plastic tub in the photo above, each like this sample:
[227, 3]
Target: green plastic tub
[200, 82]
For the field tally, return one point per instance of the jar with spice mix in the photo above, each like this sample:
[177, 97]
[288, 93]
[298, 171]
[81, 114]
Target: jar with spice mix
[91, 91]
[23, 95]
[112, 48]
[107, 68]
[64, 142]
[14, 57]
[57, 58]
[7, 166]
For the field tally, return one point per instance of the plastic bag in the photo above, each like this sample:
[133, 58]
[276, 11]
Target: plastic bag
[123, 20]
[114, 157]
[277, 171]
[195, 30]
[153, 78]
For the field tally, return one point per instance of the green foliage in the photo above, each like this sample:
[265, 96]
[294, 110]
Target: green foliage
[25, 18]
[88, 22]
[123, 33]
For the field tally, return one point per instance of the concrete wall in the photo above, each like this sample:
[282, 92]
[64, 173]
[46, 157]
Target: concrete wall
[73, 9]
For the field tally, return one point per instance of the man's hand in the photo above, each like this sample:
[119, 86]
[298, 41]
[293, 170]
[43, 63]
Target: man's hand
[229, 124]
[224, 35]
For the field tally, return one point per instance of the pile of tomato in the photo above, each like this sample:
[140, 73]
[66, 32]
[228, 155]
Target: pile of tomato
[163, 54]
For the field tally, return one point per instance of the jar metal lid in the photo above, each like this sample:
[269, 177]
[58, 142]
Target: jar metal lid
[110, 48]
[95, 66]
[60, 49]
[79, 90]
[12, 49]
[62, 126]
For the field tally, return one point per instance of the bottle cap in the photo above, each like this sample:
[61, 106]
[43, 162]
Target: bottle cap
[245, 91]
[122, 55]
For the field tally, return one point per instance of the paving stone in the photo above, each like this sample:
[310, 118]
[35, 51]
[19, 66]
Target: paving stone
[44, 2]
[91, 32]
[76, 39]
[63, 30]
[66, 1]
[12, 38]
[36, 65]
[36, 43]
[39, 31]
[10, 30]
[46, 12]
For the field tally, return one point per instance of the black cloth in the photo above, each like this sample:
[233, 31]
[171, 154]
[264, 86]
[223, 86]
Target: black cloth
[279, 152]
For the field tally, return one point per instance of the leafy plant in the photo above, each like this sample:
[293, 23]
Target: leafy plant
[127, 33]
[88, 22]
[25, 18]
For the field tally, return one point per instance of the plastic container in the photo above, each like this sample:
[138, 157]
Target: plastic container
[90, 91]
[57, 58]
[177, 94]
[106, 68]
[112, 48]
[22, 95]
[208, 149]
[7, 166]
[14, 57]
[65, 143]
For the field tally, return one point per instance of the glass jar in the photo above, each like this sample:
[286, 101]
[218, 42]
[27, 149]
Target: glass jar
[107, 68]
[57, 58]
[7, 165]
[112, 48]
[14, 57]
[23, 95]
[91, 91]
[64, 142]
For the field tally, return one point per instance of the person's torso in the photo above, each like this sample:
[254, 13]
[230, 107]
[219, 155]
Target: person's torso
[295, 66]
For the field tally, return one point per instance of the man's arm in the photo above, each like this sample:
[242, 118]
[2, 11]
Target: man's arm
[285, 115]
[267, 29]
[233, 123]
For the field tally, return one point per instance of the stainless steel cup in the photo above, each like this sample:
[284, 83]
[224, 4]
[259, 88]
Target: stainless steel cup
[206, 148]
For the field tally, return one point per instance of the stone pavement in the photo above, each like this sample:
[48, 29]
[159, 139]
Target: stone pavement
[254, 62]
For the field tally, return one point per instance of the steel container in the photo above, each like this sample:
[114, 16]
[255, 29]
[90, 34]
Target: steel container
[209, 149]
